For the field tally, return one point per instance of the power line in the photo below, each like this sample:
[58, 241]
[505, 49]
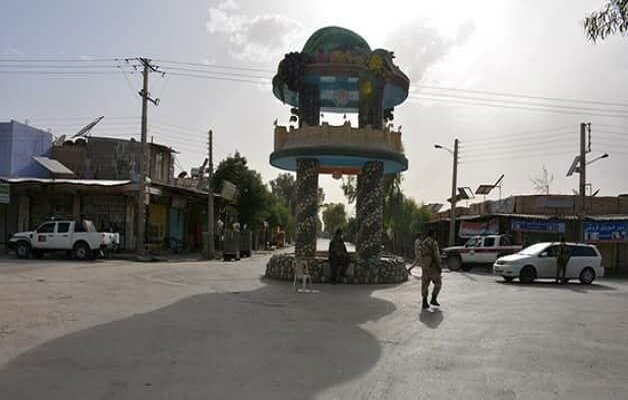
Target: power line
[506, 157]
[532, 148]
[218, 78]
[32, 72]
[218, 66]
[509, 102]
[217, 73]
[68, 59]
[419, 98]
[516, 141]
[504, 94]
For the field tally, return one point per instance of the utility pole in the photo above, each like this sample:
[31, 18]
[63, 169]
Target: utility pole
[454, 194]
[583, 176]
[210, 201]
[141, 192]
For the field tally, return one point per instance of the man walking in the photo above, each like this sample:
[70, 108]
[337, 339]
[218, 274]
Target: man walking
[431, 270]
[562, 259]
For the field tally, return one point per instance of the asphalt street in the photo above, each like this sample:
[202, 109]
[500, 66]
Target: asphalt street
[201, 330]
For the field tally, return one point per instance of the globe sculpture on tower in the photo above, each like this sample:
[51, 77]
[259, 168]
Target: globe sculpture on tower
[338, 72]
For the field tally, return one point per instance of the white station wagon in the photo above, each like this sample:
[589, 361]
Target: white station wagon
[539, 262]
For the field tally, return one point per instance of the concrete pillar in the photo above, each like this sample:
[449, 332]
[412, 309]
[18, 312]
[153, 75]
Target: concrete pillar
[306, 207]
[76, 207]
[129, 240]
[23, 213]
[370, 210]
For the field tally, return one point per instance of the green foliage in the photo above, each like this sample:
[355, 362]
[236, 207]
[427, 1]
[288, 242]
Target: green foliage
[407, 220]
[284, 186]
[284, 191]
[612, 18]
[350, 188]
[403, 218]
[334, 217]
[254, 201]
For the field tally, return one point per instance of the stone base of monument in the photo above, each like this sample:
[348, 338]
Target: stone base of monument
[386, 269]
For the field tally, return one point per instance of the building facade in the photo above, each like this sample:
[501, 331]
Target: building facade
[19, 143]
[540, 218]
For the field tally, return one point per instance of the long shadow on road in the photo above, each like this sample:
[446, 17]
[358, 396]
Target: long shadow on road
[265, 344]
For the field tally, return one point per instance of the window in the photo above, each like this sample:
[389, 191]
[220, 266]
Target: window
[474, 242]
[582, 251]
[79, 227]
[504, 241]
[552, 251]
[63, 227]
[489, 241]
[47, 228]
[159, 160]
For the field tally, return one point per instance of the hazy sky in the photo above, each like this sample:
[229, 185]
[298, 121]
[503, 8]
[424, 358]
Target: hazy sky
[531, 48]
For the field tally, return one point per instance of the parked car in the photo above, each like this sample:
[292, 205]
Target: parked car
[478, 250]
[539, 262]
[78, 239]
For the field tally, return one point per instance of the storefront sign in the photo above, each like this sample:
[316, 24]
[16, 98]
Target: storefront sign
[5, 193]
[519, 225]
[469, 229]
[605, 231]
[503, 206]
[550, 202]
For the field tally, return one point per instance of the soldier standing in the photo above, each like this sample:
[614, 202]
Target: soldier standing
[431, 270]
[562, 259]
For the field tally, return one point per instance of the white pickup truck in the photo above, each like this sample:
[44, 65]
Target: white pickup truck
[479, 250]
[78, 239]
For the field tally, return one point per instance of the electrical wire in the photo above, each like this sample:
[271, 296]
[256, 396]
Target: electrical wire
[515, 141]
[505, 94]
[506, 106]
[525, 103]
[211, 66]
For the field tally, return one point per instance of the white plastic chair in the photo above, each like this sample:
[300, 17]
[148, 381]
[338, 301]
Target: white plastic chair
[301, 273]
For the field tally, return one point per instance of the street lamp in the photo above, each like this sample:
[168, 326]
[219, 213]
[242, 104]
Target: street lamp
[438, 146]
[452, 211]
[605, 155]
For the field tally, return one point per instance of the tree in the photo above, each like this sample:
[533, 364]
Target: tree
[542, 184]
[254, 201]
[284, 186]
[334, 217]
[284, 189]
[407, 220]
[610, 19]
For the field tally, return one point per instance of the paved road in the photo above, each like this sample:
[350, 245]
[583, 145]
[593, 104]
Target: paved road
[120, 330]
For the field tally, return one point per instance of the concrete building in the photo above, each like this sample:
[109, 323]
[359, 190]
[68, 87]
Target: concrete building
[538, 218]
[19, 143]
[103, 187]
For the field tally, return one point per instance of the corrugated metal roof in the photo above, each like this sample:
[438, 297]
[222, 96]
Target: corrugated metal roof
[54, 166]
[622, 217]
[84, 182]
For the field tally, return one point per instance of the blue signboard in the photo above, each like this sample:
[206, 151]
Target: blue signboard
[519, 225]
[605, 231]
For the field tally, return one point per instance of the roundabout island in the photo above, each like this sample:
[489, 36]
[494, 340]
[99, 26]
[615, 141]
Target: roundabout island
[338, 72]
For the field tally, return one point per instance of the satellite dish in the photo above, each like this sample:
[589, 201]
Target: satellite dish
[574, 166]
[84, 130]
[59, 141]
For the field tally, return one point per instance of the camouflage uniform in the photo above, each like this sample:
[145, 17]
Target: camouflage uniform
[430, 267]
[562, 258]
